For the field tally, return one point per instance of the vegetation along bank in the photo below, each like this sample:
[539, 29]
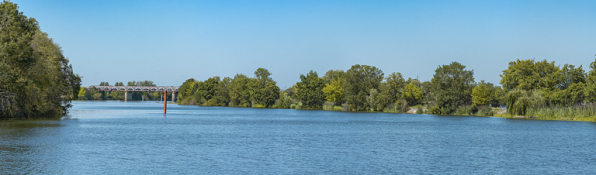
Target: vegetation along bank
[529, 89]
[36, 80]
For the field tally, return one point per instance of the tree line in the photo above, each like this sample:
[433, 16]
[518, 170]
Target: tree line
[36, 80]
[526, 85]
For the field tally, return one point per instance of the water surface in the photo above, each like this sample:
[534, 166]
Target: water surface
[137, 138]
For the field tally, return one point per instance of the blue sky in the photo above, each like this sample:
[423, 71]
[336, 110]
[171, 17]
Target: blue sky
[170, 41]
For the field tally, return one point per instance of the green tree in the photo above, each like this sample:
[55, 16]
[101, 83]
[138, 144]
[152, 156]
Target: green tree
[452, 86]
[264, 91]
[82, 94]
[240, 91]
[333, 75]
[482, 94]
[334, 92]
[372, 99]
[186, 89]
[36, 80]
[310, 90]
[529, 74]
[590, 89]
[426, 88]
[360, 79]
[412, 94]
[222, 92]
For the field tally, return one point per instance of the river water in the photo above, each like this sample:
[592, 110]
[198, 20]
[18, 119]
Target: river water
[137, 138]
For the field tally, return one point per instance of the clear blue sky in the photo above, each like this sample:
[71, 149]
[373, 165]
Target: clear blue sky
[170, 41]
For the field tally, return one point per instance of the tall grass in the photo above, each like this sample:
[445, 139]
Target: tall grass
[585, 112]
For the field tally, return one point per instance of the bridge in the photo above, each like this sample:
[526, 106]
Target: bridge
[126, 89]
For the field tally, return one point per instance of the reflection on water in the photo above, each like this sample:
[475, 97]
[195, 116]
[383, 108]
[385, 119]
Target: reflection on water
[137, 138]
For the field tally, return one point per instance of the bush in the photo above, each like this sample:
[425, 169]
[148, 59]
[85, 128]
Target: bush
[296, 105]
[329, 106]
[212, 102]
[435, 110]
[419, 110]
[258, 106]
[519, 101]
[466, 110]
[345, 107]
[485, 111]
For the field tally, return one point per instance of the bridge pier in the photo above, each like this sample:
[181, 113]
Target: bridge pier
[127, 96]
[174, 97]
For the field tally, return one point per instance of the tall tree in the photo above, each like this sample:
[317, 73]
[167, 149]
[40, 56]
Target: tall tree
[452, 86]
[334, 92]
[529, 74]
[360, 79]
[310, 90]
[240, 91]
[264, 90]
[36, 80]
[590, 89]
[412, 94]
[482, 94]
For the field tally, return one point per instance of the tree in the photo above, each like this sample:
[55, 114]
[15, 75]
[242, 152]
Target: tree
[570, 75]
[372, 99]
[528, 75]
[186, 89]
[360, 79]
[310, 90]
[264, 90]
[482, 94]
[452, 86]
[36, 80]
[395, 84]
[334, 92]
[240, 91]
[82, 94]
[412, 94]
[590, 89]
[426, 88]
[333, 75]
[222, 92]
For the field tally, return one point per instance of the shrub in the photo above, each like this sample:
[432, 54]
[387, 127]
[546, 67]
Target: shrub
[419, 110]
[296, 105]
[435, 109]
[328, 106]
[485, 111]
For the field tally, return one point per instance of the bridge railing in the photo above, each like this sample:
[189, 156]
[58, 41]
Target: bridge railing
[135, 88]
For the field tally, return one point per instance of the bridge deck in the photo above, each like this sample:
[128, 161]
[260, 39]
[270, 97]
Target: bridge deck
[135, 88]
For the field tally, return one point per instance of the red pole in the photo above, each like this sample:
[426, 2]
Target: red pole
[164, 101]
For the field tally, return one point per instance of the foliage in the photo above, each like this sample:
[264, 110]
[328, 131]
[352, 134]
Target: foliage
[452, 86]
[529, 74]
[372, 99]
[310, 90]
[482, 94]
[412, 94]
[264, 90]
[519, 101]
[360, 79]
[334, 92]
[284, 102]
[239, 91]
[390, 90]
[333, 75]
[82, 94]
[37, 81]
[186, 89]
[419, 110]
[590, 89]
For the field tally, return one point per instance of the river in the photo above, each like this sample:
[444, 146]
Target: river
[137, 138]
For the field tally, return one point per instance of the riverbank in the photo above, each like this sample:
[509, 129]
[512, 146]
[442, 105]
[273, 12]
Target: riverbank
[559, 114]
